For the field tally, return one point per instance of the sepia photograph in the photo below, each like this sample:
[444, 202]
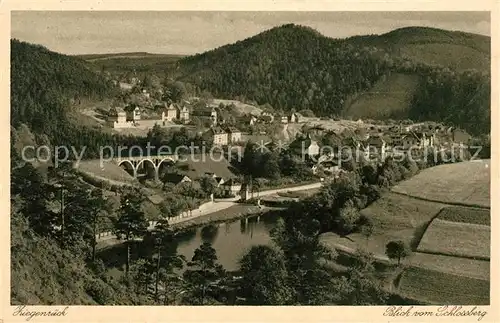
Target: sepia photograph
[236, 158]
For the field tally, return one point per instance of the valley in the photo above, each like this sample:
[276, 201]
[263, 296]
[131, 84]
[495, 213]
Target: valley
[348, 154]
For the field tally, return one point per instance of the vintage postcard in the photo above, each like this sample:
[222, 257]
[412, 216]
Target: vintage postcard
[219, 161]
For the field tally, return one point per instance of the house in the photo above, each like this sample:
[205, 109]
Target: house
[183, 114]
[295, 117]
[375, 145]
[125, 86]
[133, 113]
[117, 118]
[233, 134]
[329, 167]
[219, 180]
[252, 120]
[413, 140]
[284, 119]
[206, 113]
[219, 135]
[176, 179]
[231, 187]
[169, 113]
[305, 146]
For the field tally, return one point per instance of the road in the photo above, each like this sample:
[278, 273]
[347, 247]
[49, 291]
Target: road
[208, 209]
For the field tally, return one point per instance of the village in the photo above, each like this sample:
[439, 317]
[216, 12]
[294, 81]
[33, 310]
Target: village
[322, 144]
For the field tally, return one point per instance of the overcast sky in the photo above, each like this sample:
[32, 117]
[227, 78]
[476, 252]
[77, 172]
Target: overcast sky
[88, 32]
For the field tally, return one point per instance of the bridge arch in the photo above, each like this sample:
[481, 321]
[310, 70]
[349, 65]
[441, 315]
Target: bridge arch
[151, 171]
[130, 169]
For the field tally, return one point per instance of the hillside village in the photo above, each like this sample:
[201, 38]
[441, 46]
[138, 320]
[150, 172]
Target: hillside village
[220, 124]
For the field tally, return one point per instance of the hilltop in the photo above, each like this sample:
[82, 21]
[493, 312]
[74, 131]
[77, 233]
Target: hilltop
[47, 88]
[295, 67]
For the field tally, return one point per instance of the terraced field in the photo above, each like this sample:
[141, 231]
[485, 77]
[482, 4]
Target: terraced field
[479, 269]
[456, 239]
[436, 287]
[466, 215]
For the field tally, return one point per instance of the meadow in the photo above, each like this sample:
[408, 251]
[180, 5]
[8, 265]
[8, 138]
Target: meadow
[109, 171]
[447, 184]
[389, 97]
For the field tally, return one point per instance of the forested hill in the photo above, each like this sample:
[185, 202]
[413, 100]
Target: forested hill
[43, 84]
[295, 67]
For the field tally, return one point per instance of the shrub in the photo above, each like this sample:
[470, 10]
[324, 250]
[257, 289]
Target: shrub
[99, 291]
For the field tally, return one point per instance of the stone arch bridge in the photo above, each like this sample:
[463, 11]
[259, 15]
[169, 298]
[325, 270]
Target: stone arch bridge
[151, 164]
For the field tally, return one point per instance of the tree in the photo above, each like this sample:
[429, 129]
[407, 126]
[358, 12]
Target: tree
[131, 222]
[271, 168]
[297, 235]
[366, 227]
[264, 277]
[167, 260]
[204, 273]
[176, 91]
[208, 185]
[396, 250]
[27, 183]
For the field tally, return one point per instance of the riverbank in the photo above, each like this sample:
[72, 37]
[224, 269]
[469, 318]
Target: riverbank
[232, 213]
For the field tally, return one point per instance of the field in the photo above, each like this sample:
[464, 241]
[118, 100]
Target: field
[397, 217]
[456, 239]
[466, 183]
[479, 269]
[388, 98]
[465, 215]
[443, 288]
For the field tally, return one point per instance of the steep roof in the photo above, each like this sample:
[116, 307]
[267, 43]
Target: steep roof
[175, 178]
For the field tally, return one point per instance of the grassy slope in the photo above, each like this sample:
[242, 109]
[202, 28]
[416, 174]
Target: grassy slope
[398, 217]
[455, 50]
[457, 57]
[447, 184]
[456, 239]
[395, 217]
[388, 98]
[109, 171]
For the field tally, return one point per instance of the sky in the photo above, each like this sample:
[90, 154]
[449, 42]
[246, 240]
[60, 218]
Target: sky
[97, 32]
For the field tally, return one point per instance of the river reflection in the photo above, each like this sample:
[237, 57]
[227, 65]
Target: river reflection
[230, 239]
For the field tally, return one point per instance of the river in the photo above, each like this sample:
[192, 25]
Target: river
[231, 239]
